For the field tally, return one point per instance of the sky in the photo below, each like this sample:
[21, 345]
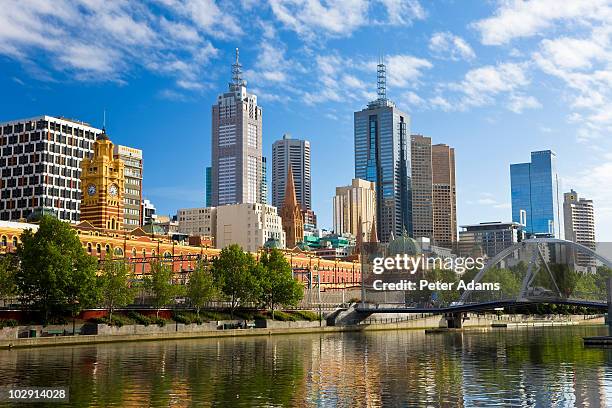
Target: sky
[493, 79]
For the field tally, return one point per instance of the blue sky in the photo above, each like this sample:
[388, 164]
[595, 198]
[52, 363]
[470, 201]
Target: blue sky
[493, 79]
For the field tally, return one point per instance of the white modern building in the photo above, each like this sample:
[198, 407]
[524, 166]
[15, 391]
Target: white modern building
[248, 225]
[579, 224]
[197, 221]
[40, 162]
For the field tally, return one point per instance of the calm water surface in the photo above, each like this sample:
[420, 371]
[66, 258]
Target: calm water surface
[505, 367]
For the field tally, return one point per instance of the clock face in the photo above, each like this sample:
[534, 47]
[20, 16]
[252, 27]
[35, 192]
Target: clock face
[113, 190]
[91, 189]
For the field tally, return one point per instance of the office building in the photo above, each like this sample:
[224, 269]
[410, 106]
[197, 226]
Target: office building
[197, 221]
[382, 156]
[103, 186]
[40, 164]
[488, 238]
[535, 195]
[148, 211]
[236, 144]
[444, 196]
[248, 225]
[132, 199]
[310, 222]
[579, 224]
[354, 204]
[294, 153]
[263, 189]
[422, 187]
[291, 214]
[208, 186]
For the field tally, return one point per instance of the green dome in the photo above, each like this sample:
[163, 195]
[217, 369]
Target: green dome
[403, 245]
[272, 243]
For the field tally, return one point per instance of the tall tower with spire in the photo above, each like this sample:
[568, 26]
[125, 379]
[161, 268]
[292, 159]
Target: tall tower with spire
[291, 214]
[236, 173]
[382, 155]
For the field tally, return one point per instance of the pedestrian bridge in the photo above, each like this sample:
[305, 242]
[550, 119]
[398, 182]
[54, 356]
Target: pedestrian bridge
[534, 271]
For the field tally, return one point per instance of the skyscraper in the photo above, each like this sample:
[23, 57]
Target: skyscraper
[132, 160]
[294, 153]
[263, 188]
[444, 196]
[236, 144]
[535, 195]
[579, 223]
[354, 204]
[40, 164]
[422, 188]
[382, 155]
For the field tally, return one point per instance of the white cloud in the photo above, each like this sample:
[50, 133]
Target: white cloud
[517, 18]
[447, 45]
[312, 18]
[484, 85]
[518, 103]
[89, 40]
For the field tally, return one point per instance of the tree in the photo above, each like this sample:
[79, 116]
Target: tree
[159, 282]
[234, 272]
[276, 282]
[55, 274]
[201, 287]
[8, 269]
[115, 285]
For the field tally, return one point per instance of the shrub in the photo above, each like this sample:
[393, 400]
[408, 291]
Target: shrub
[283, 316]
[187, 318]
[208, 315]
[8, 323]
[158, 321]
[118, 321]
[306, 315]
[140, 319]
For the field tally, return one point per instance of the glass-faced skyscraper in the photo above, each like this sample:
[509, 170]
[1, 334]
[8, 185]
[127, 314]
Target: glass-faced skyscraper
[535, 194]
[236, 144]
[382, 155]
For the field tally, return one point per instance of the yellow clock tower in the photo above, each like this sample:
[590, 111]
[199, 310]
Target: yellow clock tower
[102, 184]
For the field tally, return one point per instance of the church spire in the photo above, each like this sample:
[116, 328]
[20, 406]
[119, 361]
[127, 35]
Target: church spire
[291, 214]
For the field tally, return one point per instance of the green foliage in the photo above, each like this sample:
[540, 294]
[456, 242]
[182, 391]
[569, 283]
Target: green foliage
[283, 316]
[159, 282]
[201, 287]
[208, 315]
[115, 285]
[117, 320]
[139, 318]
[234, 272]
[8, 323]
[8, 270]
[306, 315]
[446, 276]
[55, 274]
[187, 318]
[276, 282]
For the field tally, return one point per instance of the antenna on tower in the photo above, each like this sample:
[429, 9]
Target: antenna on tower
[104, 120]
[381, 79]
[237, 80]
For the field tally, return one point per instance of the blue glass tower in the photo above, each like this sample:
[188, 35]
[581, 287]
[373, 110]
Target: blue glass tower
[208, 186]
[535, 194]
[382, 155]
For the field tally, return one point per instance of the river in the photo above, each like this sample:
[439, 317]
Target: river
[503, 367]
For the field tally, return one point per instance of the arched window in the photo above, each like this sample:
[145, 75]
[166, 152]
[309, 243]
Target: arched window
[89, 247]
[98, 249]
[118, 251]
[153, 253]
[15, 241]
[4, 241]
[167, 254]
[133, 252]
[107, 248]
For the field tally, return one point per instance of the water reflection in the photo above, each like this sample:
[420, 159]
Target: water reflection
[514, 367]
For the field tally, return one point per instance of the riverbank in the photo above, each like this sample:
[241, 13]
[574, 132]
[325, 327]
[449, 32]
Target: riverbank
[136, 333]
